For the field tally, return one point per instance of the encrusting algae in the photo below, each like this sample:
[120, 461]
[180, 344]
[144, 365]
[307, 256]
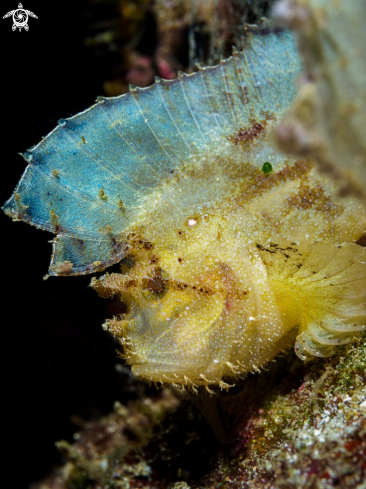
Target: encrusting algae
[231, 251]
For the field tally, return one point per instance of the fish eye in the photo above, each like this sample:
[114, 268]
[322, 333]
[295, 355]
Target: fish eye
[156, 284]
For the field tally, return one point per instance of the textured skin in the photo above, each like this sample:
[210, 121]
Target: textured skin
[226, 264]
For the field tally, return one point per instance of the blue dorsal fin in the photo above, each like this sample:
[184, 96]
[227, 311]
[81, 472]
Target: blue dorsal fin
[86, 180]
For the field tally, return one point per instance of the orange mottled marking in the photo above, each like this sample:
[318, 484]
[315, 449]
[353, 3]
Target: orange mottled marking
[258, 183]
[307, 197]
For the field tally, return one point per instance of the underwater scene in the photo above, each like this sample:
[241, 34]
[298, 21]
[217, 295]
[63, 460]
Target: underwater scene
[194, 316]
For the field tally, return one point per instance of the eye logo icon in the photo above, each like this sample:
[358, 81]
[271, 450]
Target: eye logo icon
[20, 17]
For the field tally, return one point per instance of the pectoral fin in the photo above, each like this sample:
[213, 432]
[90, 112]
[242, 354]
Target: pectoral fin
[332, 288]
[321, 289]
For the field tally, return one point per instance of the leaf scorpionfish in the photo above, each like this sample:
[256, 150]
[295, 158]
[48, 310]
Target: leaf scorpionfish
[230, 251]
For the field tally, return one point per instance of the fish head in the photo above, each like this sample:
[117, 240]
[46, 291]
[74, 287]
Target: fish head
[183, 312]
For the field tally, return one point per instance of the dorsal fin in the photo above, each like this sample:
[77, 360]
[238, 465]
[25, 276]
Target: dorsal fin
[86, 180]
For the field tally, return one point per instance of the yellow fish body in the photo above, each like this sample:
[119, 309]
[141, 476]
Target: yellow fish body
[221, 289]
[231, 251]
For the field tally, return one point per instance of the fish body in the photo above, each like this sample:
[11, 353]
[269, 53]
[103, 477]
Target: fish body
[218, 290]
[231, 251]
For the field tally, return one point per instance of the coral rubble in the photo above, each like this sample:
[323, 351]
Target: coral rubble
[291, 426]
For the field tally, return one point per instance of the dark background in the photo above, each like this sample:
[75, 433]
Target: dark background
[56, 360]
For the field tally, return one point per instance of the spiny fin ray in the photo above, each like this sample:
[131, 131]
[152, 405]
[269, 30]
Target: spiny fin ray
[122, 148]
